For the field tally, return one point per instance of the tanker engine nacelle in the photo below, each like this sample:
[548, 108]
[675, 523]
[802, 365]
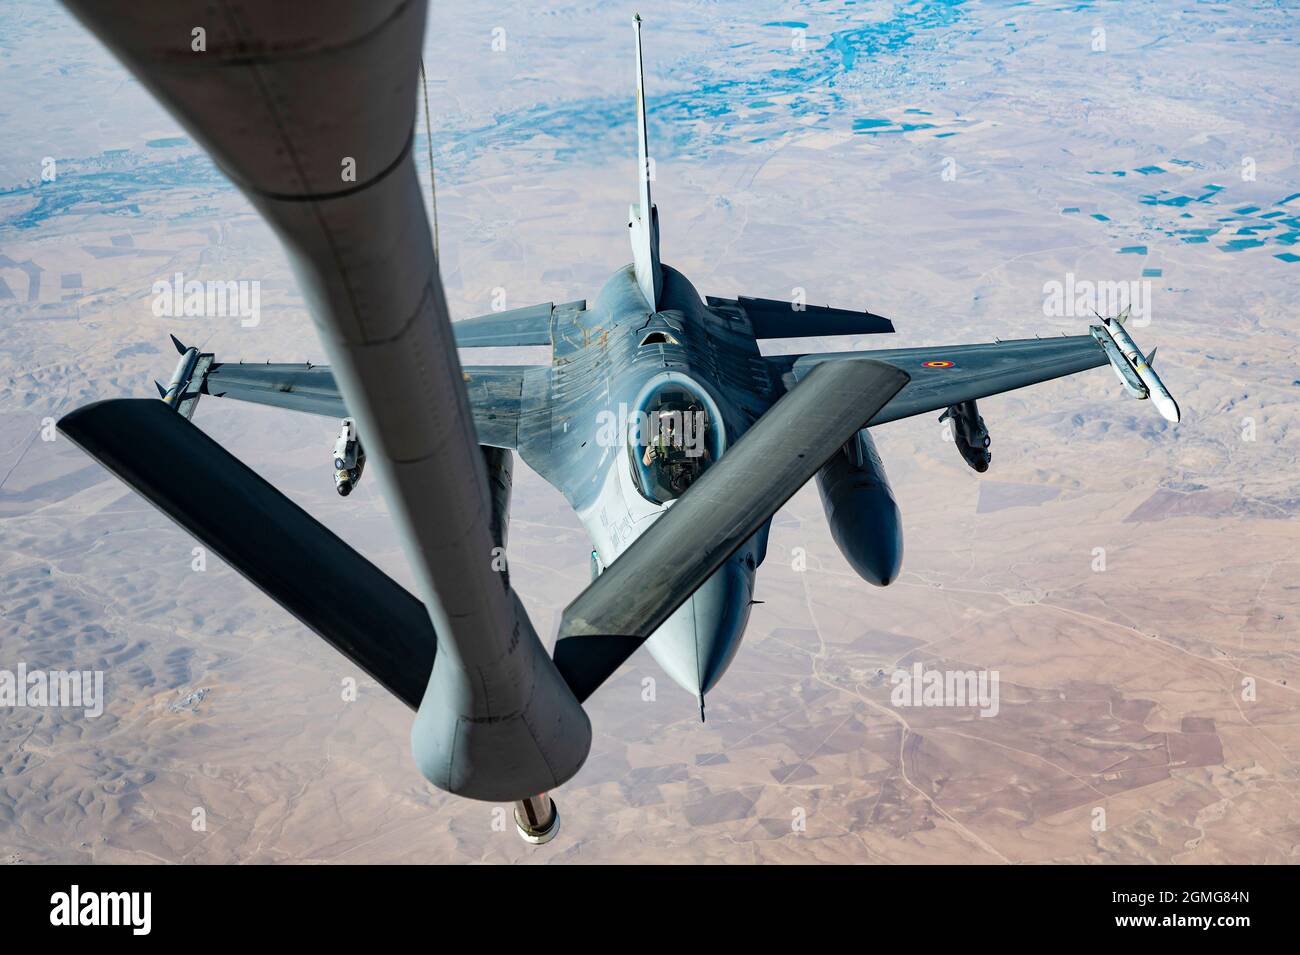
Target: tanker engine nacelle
[861, 511]
[349, 458]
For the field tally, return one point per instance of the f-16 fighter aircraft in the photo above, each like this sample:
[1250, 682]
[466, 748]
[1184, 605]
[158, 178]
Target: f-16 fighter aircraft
[674, 439]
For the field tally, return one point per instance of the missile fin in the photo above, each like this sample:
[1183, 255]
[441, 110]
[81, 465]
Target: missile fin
[180, 349]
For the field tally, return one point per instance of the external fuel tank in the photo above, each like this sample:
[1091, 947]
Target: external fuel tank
[861, 510]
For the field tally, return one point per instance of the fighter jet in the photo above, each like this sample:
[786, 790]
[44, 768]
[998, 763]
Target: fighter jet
[671, 435]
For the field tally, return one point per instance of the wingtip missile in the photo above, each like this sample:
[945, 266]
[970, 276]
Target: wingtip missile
[1168, 408]
[1134, 370]
[1123, 370]
[186, 384]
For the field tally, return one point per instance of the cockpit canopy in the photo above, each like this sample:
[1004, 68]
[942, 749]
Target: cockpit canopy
[672, 438]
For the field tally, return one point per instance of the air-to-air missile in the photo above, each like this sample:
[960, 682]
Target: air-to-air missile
[186, 384]
[1134, 371]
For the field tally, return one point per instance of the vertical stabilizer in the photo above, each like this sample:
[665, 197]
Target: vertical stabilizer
[643, 219]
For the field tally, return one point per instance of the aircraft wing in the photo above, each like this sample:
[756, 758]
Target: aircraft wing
[494, 393]
[945, 375]
[308, 388]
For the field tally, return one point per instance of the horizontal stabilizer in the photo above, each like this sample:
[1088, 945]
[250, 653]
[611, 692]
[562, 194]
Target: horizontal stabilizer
[530, 325]
[272, 542]
[775, 319]
[725, 506]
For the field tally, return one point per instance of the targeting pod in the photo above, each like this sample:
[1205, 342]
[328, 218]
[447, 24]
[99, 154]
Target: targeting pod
[970, 434]
[349, 458]
[1135, 371]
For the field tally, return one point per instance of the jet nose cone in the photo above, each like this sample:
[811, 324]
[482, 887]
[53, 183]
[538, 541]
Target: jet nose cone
[697, 643]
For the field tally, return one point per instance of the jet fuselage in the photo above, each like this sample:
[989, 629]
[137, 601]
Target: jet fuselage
[620, 367]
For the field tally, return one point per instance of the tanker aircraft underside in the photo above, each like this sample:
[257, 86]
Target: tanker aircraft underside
[673, 438]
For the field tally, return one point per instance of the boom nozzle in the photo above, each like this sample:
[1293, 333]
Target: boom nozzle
[537, 819]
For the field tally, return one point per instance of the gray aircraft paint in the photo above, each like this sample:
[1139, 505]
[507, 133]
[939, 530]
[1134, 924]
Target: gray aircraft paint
[499, 718]
[599, 365]
[278, 98]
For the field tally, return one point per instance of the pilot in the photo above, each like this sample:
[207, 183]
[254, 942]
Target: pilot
[666, 444]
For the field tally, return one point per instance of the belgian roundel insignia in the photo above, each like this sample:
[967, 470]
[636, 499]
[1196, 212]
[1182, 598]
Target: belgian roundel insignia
[937, 364]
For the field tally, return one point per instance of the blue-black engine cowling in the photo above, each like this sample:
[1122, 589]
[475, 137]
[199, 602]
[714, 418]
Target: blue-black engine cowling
[860, 508]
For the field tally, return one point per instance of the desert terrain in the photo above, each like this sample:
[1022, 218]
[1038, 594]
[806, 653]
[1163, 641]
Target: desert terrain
[1135, 585]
